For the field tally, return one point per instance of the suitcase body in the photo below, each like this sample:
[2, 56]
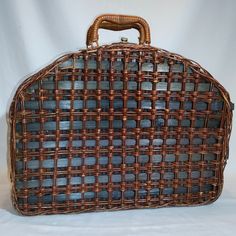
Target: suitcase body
[119, 126]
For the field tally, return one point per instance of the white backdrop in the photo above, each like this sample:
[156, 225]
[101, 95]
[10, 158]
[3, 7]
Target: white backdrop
[35, 32]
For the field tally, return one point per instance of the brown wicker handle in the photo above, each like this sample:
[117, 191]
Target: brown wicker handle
[119, 22]
[117, 27]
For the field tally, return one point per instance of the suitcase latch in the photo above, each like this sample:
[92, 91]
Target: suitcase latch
[124, 39]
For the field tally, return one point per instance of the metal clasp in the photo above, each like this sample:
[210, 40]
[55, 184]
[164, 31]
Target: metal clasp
[124, 39]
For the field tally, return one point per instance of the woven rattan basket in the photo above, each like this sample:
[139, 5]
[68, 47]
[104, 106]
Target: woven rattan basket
[119, 126]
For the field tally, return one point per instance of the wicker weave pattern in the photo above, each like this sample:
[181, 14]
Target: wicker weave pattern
[119, 127]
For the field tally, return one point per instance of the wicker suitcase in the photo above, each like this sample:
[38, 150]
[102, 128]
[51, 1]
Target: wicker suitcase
[118, 126]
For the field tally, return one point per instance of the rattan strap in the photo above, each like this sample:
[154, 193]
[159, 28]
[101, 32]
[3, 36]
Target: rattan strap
[119, 22]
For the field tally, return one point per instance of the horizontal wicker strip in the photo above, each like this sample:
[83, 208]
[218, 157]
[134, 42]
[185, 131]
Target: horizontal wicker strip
[119, 126]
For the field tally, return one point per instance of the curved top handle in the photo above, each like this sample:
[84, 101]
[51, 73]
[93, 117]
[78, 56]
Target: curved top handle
[118, 22]
[116, 27]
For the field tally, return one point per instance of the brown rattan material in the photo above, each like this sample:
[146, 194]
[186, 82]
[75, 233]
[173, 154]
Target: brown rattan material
[119, 126]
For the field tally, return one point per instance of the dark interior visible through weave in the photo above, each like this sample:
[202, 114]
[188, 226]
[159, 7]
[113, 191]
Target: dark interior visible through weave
[115, 128]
